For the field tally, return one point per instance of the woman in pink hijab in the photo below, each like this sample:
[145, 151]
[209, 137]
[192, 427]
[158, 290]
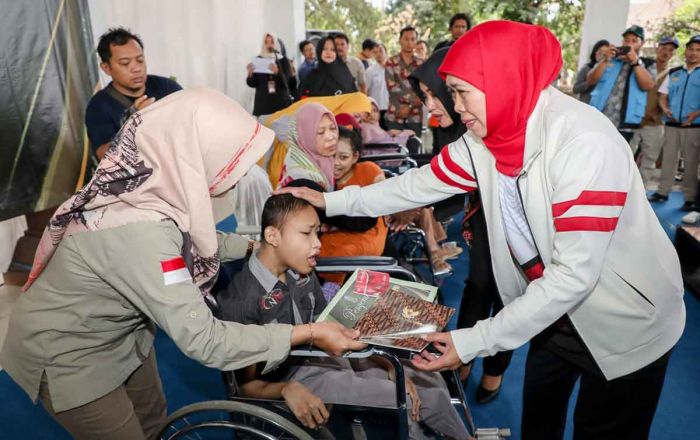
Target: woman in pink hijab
[312, 141]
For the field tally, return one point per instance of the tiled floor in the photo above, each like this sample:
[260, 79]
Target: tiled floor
[8, 296]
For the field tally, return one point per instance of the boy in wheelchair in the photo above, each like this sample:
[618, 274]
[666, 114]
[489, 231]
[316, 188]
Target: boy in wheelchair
[277, 285]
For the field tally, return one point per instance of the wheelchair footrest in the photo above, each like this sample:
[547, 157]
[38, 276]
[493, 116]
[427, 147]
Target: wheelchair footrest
[492, 433]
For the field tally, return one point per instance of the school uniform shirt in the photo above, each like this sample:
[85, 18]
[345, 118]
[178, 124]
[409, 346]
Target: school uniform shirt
[104, 115]
[89, 331]
[257, 296]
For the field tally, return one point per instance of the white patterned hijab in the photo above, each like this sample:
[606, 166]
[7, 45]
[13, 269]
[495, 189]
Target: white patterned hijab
[166, 162]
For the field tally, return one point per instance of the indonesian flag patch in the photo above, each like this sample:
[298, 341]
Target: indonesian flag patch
[175, 271]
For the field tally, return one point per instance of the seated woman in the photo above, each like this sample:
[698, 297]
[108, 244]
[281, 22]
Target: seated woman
[311, 143]
[373, 133]
[348, 171]
[330, 77]
[312, 140]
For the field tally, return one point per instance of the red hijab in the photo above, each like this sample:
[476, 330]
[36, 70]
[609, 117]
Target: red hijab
[511, 63]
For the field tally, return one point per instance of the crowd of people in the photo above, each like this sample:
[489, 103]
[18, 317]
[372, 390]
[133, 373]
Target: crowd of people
[555, 222]
[655, 105]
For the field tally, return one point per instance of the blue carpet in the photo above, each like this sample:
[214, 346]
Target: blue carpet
[186, 381]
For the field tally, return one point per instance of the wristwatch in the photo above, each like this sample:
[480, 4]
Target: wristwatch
[638, 63]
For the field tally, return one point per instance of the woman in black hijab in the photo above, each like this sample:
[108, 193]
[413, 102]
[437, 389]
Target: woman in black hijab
[480, 298]
[433, 87]
[331, 76]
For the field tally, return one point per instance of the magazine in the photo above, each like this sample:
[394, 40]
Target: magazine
[387, 311]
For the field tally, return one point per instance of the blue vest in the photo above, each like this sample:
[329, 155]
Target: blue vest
[683, 94]
[633, 108]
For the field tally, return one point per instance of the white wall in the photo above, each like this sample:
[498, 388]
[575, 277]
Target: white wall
[203, 42]
[10, 231]
[603, 19]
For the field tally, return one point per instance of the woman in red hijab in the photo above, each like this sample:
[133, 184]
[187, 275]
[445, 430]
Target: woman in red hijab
[585, 271]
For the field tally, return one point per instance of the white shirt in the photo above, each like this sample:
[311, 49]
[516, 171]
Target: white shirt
[376, 85]
[518, 234]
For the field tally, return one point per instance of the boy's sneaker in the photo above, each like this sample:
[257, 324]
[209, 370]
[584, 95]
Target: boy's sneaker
[440, 266]
[656, 197]
[692, 218]
[688, 206]
[448, 252]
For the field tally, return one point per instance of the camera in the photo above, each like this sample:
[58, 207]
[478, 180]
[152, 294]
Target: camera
[623, 50]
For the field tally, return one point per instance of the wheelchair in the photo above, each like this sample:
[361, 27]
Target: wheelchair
[245, 418]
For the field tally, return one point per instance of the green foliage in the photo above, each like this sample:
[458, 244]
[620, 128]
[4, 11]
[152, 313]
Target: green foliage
[683, 24]
[360, 19]
[357, 18]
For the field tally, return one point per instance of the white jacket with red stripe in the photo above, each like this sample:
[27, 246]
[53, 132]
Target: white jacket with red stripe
[608, 262]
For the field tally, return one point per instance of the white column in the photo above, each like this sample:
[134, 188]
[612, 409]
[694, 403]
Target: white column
[603, 20]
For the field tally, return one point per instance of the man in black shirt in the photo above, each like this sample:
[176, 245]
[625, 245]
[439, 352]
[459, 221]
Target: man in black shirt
[131, 88]
[459, 25]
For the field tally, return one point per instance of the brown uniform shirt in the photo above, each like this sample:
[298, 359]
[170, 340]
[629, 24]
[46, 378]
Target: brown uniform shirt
[89, 320]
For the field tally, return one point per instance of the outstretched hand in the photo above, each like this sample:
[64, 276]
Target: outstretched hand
[447, 360]
[335, 338]
[312, 196]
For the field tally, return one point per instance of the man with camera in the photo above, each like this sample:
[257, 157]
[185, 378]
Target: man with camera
[621, 81]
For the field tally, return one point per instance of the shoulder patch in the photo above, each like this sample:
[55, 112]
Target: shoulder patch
[175, 271]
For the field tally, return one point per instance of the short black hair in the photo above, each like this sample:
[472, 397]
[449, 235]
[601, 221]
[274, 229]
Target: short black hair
[352, 136]
[303, 44]
[369, 44]
[342, 36]
[118, 36]
[278, 208]
[407, 29]
[461, 16]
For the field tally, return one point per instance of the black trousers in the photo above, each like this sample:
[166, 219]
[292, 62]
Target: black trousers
[617, 409]
[480, 298]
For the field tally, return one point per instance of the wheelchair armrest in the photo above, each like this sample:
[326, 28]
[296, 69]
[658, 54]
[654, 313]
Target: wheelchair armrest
[315, 352]
[350, 264]
[379, 145]
[342, 261]
[385, 156]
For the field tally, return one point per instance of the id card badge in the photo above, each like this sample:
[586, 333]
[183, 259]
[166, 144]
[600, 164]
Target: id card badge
[271, 87]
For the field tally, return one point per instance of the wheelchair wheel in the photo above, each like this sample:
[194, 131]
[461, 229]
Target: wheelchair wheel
[224, 419]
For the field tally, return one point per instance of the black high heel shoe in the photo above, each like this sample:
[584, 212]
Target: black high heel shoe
[485, 396]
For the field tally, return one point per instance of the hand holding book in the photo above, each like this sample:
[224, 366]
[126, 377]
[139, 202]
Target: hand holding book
[387, 311]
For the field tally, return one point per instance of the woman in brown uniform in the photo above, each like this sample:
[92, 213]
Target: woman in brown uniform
[134, 249]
